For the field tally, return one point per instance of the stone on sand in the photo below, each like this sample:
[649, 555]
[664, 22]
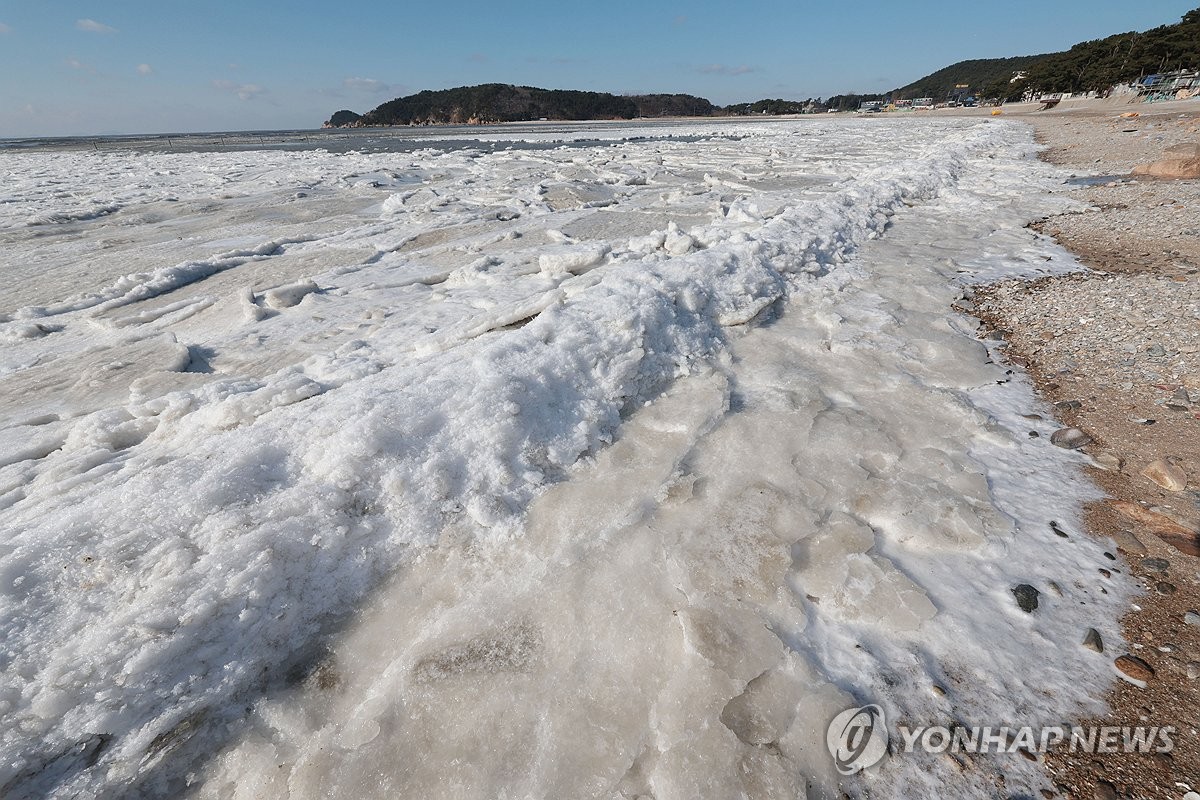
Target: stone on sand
[1167, 475]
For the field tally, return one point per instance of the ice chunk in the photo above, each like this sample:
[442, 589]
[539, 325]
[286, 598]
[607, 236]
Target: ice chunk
[289, 295]
[573, 260]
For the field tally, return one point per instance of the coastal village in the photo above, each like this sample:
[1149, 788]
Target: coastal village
[1182, 84]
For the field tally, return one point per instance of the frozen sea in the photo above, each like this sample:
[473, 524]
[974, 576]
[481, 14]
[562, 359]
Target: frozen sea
[544, 461]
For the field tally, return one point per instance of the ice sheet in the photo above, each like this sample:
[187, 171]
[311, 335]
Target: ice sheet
[596, 471]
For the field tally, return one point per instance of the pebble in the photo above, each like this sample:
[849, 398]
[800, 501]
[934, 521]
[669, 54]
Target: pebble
[1105, 791]
[1070, 438]
[1191, 618]
[1109, 462]
[1167, 475]
[1127, 542]
[1134, 667]
[1155, 564]
[1027, 597]
[1093, 641]
[1193, 670]
[1165, 588]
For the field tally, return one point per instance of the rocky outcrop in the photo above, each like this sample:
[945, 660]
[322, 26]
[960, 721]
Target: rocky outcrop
[1180, 161]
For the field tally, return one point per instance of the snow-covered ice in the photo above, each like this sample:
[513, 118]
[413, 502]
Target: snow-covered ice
[613, 470]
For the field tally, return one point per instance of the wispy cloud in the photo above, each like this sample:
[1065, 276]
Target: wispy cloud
[725, 69]
[91, 26]
[369, 85]
[244, 91]
[4, 29]
[81, 66]
[680, 21]
[145, 69]
[478, 58]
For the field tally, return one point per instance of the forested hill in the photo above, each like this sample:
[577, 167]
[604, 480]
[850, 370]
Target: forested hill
[976, 73]
[1121, 58]
[500, 102]
[1092, 65]
[1097, 64]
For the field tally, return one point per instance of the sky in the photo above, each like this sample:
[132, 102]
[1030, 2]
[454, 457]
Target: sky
[84, 67]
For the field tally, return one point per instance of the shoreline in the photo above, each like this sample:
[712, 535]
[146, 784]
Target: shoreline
[1115, 349]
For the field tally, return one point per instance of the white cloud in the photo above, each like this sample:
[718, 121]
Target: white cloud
[244, 91]
[92, 26]
[724, 69]
[145, 69]
[75, 63]
[365, 85]
[4, 28]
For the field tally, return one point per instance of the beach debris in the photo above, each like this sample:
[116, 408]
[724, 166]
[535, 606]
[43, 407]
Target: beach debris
[1070, 438]
[1093, 641]
[1027, 597]
[1134, 667]
[1167, 475]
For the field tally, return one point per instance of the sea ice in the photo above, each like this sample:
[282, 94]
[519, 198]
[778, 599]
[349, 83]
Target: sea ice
[604, 471]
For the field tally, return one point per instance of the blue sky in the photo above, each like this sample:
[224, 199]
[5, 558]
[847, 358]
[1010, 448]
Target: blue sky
[74, 67]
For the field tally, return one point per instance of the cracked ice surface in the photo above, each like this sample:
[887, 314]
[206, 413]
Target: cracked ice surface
[609, 471]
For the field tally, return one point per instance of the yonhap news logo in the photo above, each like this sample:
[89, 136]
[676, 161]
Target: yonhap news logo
[857, 738]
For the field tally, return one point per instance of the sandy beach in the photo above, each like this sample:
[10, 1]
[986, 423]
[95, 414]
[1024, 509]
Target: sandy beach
[1117, 350]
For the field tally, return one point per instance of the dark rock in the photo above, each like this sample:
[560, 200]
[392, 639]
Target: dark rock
[1155, 564]
[1070, 438]
[1027, 597]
